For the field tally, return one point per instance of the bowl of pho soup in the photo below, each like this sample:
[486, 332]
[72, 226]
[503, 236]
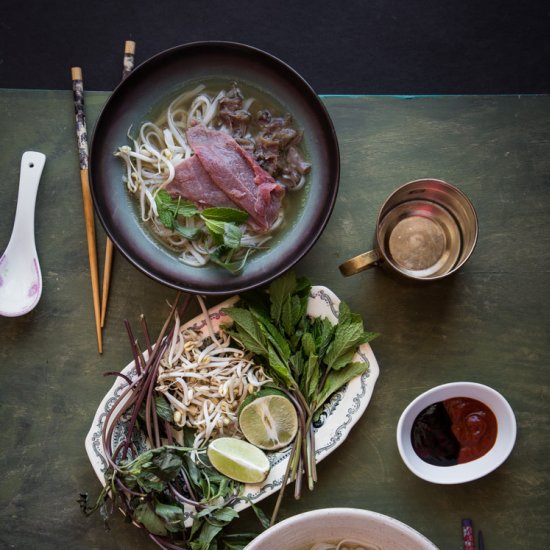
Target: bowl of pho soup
[339, 529]
[214, 167]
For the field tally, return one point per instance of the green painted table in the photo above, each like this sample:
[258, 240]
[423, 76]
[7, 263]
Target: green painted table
[489, 323]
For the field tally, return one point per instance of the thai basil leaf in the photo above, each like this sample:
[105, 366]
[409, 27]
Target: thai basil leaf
[206, 537]
[145, 515]
[172, 515]
[225, 514]
[237, 541]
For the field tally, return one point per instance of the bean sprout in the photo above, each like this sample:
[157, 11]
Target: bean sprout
[205, 380]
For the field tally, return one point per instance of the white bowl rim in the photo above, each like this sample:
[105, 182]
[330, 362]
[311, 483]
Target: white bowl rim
[460, 473]
[354, 513]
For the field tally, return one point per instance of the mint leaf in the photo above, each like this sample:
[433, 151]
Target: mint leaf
[224, 233]
[348, 335]
[231, 235]
[279, 291]
[177, 206]
[190, 233]
[280, 368]
[273, 334]
[233, 215]
[248, 330]
[166, 217]
[336, 379]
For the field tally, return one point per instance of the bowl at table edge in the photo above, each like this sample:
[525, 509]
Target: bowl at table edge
[300, 532]
[460, 473]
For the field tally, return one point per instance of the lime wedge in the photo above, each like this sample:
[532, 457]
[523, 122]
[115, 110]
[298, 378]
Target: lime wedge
[238, 460]
[269, 422]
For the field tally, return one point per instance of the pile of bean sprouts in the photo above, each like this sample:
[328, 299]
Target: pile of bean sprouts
[150, 166]
[347, 544]
[205, 380]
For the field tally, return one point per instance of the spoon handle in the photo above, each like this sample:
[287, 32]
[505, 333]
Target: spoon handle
[32, 164]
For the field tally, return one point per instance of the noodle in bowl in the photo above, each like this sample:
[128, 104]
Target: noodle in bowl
[146, 122]
[340, 529]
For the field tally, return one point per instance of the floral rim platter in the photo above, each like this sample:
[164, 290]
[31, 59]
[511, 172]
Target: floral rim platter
[338, 416]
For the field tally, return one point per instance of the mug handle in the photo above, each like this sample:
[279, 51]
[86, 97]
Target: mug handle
[360, 263]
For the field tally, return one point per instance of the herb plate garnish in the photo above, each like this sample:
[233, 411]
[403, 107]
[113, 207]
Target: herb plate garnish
[336, 419]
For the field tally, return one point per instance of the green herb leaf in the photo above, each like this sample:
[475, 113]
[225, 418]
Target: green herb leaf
[190, 233]
[163, 408]
[296, 363]
[237, 541]
[348, 335]
[233, 215]
[145, 515]
[232, 235]
[167, 218]
[336, 379]
[312, 377]
[280, 368]
[172, 515]
[279, 290]
[248, 331]
[273, 334]
[206, 536]
[225, 514]
[308, 344]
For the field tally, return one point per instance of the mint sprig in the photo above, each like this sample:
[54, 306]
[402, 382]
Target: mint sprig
[222, 223]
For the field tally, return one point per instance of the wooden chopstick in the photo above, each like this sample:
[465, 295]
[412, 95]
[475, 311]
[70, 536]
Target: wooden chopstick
[82, 142]
[128, 66]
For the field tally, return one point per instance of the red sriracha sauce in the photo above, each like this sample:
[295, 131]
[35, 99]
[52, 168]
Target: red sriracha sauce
[454, 431]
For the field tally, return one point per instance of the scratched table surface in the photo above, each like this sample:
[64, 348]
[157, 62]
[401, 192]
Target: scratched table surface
[489, 323]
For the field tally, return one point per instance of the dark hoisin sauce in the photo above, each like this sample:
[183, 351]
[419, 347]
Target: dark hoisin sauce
[454, 431]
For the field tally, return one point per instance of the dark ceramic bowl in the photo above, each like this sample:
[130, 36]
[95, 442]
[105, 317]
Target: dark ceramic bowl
[156, 81]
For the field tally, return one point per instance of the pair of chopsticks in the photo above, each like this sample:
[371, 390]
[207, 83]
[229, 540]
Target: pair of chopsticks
[468, 536]
[82, 143]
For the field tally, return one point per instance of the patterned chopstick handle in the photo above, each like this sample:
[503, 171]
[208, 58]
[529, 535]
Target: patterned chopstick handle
[128, 63]
[80, 116]
[468, 534]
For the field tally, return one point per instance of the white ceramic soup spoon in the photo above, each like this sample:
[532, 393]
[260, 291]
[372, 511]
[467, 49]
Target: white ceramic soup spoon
[20, 277]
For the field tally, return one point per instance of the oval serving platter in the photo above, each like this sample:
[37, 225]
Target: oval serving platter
[163, 77]
[336, 420]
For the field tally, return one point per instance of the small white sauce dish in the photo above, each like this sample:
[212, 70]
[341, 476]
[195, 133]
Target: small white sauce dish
[460, 473]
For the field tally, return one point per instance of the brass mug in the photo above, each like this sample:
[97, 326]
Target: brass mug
[426, 230]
